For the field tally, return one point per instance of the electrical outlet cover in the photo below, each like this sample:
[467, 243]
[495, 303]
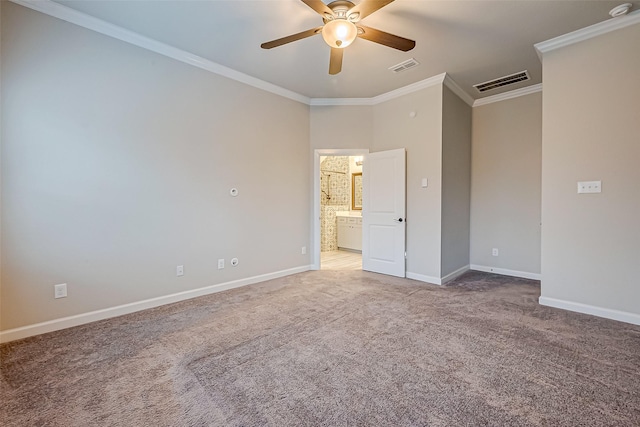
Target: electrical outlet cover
[60, 291]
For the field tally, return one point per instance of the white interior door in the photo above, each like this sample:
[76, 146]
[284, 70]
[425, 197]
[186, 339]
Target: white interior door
[383, 213]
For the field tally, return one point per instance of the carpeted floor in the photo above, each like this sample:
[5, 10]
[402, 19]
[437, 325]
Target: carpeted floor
[333, 348]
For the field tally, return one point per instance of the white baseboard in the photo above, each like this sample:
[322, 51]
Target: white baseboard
[451, 276]
[81, 319]
[505, 272]
[607, 313]
[437, 280]
[423, 278]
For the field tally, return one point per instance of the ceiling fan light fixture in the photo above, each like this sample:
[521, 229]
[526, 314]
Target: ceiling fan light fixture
[339, 33]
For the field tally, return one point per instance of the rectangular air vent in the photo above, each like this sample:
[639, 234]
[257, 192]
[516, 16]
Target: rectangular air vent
[503, 81]
[409, 63]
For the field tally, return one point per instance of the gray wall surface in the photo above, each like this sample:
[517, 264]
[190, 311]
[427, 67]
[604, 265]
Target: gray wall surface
[591, 131]
[506, 167]
[422, 137]
[117, 165]
[456, 182]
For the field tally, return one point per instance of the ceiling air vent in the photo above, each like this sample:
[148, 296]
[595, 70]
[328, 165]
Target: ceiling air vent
[409, 63]
[503, 81]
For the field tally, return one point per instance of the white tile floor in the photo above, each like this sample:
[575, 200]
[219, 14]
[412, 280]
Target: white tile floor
[340, 260]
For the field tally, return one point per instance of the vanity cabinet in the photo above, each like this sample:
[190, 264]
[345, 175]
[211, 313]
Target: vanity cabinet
[350, 233]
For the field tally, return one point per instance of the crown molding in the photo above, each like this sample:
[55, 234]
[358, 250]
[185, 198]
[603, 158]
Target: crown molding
[587, 33]
[340, 101]
[508, 95]
[68, 14]
[451, 84]
[414, 87]
[89, 22]
[405, 90]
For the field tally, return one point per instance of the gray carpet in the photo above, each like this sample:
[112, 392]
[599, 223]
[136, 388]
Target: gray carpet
[333, 348]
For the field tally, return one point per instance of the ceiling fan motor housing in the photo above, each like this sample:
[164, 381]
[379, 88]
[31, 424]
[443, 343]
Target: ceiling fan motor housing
[340, 9]
[340, 30]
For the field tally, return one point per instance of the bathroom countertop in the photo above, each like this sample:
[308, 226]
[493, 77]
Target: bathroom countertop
[349, 213]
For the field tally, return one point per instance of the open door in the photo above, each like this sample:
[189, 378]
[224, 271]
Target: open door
[383, 213]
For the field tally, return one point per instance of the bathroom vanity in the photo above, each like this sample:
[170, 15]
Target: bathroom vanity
[349, 230]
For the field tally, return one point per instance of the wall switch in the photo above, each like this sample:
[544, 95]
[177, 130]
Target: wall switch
[304, 250]
[220, 264]
[60, 291]
[234, 261]
[425, 183]
[589, 187]
[494, 251]
[180, 270]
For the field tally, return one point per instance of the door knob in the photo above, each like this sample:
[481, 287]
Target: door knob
[398, 220]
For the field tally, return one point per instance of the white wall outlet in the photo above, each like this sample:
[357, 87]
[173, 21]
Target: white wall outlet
[234, 261]
[180, 270]
[494, 252]
[220, 264]
[304, 250]
[60, 291]
[589, 187]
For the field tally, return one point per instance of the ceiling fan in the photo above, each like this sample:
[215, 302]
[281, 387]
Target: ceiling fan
[341, 27]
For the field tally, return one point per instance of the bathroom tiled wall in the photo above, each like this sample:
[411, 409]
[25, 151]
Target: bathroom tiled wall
[329, 226]
[335, 181]
[337, 186]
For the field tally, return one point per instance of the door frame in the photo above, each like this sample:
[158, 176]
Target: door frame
[315, 212]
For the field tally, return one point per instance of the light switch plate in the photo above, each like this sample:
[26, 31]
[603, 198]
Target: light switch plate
[589, 187]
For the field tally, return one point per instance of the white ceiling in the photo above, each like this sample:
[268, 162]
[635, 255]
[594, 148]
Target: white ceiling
[473, 41]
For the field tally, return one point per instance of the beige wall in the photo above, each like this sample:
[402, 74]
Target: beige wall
[341, 127]
[456, 182]
[591, 128]
[116, 167]
[1, 173]
[422, 137]
[506, 184]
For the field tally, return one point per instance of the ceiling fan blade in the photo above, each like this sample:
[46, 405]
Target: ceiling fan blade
[335, 63]
[318, 6]
[386, 39]
[366, 8]
[291, 38]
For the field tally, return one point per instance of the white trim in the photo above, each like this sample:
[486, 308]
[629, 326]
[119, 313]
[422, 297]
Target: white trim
[587, 33]
[340, 101]
[505, 272]
[68, 14]
[436, 280]
[607, 313]
[81, 319]
[315, 212]
[508, 95]
[414, 87]
[451, 276]
[451, 84]
[89, 22]
[427, 279]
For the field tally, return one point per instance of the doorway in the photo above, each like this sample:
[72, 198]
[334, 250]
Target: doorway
[337, 209]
